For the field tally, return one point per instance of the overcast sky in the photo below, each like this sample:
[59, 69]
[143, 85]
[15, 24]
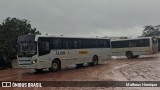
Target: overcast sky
[86, 18]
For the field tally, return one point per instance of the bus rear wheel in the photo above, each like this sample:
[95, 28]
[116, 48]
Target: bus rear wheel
[55, 66]
[129, 55]
[94, 61]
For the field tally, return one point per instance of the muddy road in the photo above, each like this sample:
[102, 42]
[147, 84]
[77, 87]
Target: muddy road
[99, 72]
[145, 68]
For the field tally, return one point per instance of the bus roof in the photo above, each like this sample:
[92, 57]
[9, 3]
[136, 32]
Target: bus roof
[70, 37]
[37, 36]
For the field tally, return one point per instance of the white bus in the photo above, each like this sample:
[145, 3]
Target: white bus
[132, 48]
[41, 52]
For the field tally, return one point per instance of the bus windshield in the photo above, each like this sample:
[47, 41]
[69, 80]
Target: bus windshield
[27, 48]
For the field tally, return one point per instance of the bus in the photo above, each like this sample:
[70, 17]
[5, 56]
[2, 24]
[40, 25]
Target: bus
[132, 48]
[50, 52]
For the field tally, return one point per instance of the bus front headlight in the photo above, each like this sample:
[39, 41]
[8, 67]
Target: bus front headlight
[34, 61]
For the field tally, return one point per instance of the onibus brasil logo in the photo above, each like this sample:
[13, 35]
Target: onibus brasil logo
[21, 84]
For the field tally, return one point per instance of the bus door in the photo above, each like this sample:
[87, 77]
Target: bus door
[44, 50]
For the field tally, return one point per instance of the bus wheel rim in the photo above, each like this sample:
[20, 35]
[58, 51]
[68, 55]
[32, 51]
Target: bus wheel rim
[55, 66]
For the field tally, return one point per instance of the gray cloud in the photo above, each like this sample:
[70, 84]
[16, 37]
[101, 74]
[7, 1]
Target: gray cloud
[85, 17]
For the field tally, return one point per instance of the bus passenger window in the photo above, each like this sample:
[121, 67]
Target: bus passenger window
[75, 44]
[56, 43]
[44, 48]
[132, 43]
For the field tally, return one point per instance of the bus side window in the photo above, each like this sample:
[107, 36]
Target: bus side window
[44, 47]
[147, 42]
[122, 44]
[67, 43]
[95, 43]
[132, 43]
[86, 43]
[102, 43]
[114, 44]
[140, 43]
[108, 43]
[79, 43]
[75, 44]
[56, 43]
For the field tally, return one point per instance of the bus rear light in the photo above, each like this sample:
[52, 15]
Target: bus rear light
[34, 61]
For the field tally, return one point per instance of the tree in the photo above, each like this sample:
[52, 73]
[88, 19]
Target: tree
[10, 29]
[150, 31]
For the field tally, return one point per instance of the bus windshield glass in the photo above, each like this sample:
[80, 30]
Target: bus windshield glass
[27, 48]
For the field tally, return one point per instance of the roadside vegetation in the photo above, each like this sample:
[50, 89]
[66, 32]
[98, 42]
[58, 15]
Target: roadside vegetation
[10, 29]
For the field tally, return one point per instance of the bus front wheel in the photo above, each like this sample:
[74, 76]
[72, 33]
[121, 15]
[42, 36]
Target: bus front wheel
[55, 66]
[129, 55]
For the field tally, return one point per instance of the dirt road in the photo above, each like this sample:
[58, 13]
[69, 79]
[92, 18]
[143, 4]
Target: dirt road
[145, 68]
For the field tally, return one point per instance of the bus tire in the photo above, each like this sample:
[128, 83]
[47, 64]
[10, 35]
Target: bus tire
[129, 54]
[55, 66]
[94, 60]
[38, 70]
